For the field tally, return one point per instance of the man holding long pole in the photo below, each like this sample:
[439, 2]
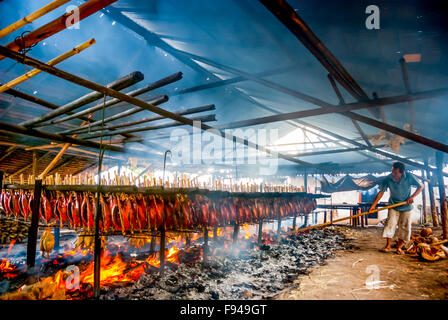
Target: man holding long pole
[399, 183]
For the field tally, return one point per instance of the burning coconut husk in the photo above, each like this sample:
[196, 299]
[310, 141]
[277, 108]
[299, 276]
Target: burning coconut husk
[245, 270]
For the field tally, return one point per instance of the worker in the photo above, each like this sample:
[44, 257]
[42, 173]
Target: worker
[399, 183]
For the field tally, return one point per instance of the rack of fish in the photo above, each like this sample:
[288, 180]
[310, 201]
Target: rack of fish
[138, 212]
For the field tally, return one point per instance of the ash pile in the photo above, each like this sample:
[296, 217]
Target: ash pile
[248, 273]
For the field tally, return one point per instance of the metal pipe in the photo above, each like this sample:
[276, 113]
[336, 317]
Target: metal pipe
[118, 84]
[155, 85]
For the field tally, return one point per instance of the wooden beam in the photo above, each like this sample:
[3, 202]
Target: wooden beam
[407, 86]
[29, 165]
[87, 167]
[119, 84]
[424, 216]
[116, 94]
[289, 17]
[32, 233]
[220, 83]
[54, 161]
[434, 214]
[201, 119]
[34, 163]
[66, 20]
[8, 152]
[5, 126]
[443, 204]
[344, 109]
[31, 17]
[61, 165]
[152, 86]
[126, 113]
[52, 62]
[146, 120]
[400, 132]
[341, 102]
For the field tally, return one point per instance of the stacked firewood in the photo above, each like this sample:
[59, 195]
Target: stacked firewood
[12, 231]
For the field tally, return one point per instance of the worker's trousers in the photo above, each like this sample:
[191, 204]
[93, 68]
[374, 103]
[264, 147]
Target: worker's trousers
[402, 220]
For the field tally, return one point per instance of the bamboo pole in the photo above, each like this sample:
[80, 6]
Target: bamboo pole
[95, 95]
[206, 118]
[442, 194]
[58, 156]
[155, 101]
[8, 152]
[52, 62]
[155, 85]
[54, 161]
[351, 217]
[148, 119]
[66, 20]
[121, 96]
[31, 17]
[6, 126]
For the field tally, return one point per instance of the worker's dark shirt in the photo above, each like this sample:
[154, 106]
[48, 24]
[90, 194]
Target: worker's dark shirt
[400, 191]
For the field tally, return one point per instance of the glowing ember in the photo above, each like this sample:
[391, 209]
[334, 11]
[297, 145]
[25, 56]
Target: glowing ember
[8, 270]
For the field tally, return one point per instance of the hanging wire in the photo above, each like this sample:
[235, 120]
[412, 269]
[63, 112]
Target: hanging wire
[23, 48]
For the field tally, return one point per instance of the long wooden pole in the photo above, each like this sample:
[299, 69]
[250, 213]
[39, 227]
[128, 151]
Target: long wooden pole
[407, 85]
[58, 156]
[146, 120]
[32, 233]
[152, 86]
[155, 101]
[31, 17]
[351, 217]
[66, 20]
[435, 218]
[442, 195]
[424, 215]
[142, 104]
[52, 62]
[118, 84]
[6, 126]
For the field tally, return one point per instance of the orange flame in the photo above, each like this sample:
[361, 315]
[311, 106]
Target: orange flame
[11, 245]
[6, 268]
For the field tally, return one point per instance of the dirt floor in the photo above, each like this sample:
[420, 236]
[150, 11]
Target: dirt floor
[365, 273]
